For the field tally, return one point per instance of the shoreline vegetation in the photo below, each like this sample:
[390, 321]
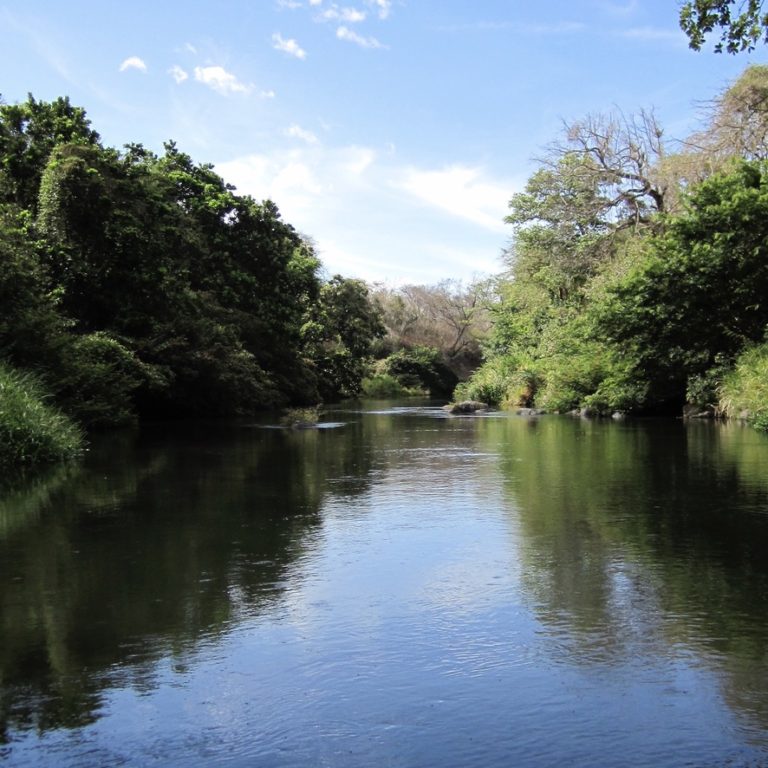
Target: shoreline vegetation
[638, 270]
[138, 285]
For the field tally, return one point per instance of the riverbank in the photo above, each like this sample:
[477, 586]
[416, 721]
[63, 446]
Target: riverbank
[32, 432]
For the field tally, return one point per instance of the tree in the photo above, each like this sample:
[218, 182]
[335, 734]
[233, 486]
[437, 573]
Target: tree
[741, 24]
[338, 336]
[597, 181]
[738, 122]
[697, 298]
[28, 134]
[422, 368]
[449, 316]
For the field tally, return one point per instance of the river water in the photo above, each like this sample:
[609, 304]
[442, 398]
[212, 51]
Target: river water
[397, 588]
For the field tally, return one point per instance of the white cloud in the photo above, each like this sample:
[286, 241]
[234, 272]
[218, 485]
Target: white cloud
[355, 161]
[348, 15]
[290, 4]
[383, 6]
[462, 191]
[339, 195]
[315, 2]
[269, 94]
[290, 46]
[190, 48]
[297, 132]
[345, 33]
[133, 62]
[287, 178]
[220, 80]
[178, 74]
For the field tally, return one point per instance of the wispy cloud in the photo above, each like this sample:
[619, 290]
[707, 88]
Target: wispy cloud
[297, 132]
[178, 74]
[133, 62]
[220, 80]
[268, 94]
[548, 30]
[561, 28]
[462, 191]
[384, 7]
[339, 194]
[348, 15]
[619, 9]
[345, 33]
[289, 46]
[656, 34]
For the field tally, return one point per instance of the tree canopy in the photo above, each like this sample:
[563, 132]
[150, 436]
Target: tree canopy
[741, 24]
[136, 283]
[637, 269]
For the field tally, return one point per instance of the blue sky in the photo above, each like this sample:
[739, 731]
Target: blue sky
[393, 132]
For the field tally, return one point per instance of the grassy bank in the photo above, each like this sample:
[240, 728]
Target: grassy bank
[31, 431]
[744, 392]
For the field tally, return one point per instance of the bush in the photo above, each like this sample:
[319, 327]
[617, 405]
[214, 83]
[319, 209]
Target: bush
[96, 379]
[744, 391]
[502, 382]
[422, 368]
[31, 431]
[383, 385]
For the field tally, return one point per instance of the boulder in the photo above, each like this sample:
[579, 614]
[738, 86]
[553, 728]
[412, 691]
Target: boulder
[529, 412]
[466, 406]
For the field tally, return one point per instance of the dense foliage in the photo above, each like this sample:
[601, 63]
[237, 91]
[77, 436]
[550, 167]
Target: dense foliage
[136, 284]
[637, 277]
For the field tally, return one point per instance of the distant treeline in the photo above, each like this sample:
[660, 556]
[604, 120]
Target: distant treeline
[638, 270]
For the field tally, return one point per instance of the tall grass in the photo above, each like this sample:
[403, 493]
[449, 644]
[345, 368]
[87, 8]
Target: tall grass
[744, 391]
[31, 430]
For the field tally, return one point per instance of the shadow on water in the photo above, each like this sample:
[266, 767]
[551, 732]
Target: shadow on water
[157, 541]
[646, 538]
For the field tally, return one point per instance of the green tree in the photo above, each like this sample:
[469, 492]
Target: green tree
[741, 25]
[338, 336]
[697, 298]
[28, 134]
[422, 368]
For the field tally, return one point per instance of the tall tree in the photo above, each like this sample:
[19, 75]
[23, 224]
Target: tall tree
[28, 133]
[697, 299]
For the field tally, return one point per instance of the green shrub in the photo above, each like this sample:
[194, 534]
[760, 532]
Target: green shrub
[96, 380]
[744, 390]
[502, 382]
[31, 431]
[422, 368]
[383, 385]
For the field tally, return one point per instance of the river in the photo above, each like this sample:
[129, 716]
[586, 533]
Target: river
[397, 588]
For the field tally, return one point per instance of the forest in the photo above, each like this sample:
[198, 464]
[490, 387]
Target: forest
[141, 286]
[637, 273]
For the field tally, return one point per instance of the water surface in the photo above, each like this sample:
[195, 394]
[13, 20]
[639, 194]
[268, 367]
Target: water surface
[403, 588]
